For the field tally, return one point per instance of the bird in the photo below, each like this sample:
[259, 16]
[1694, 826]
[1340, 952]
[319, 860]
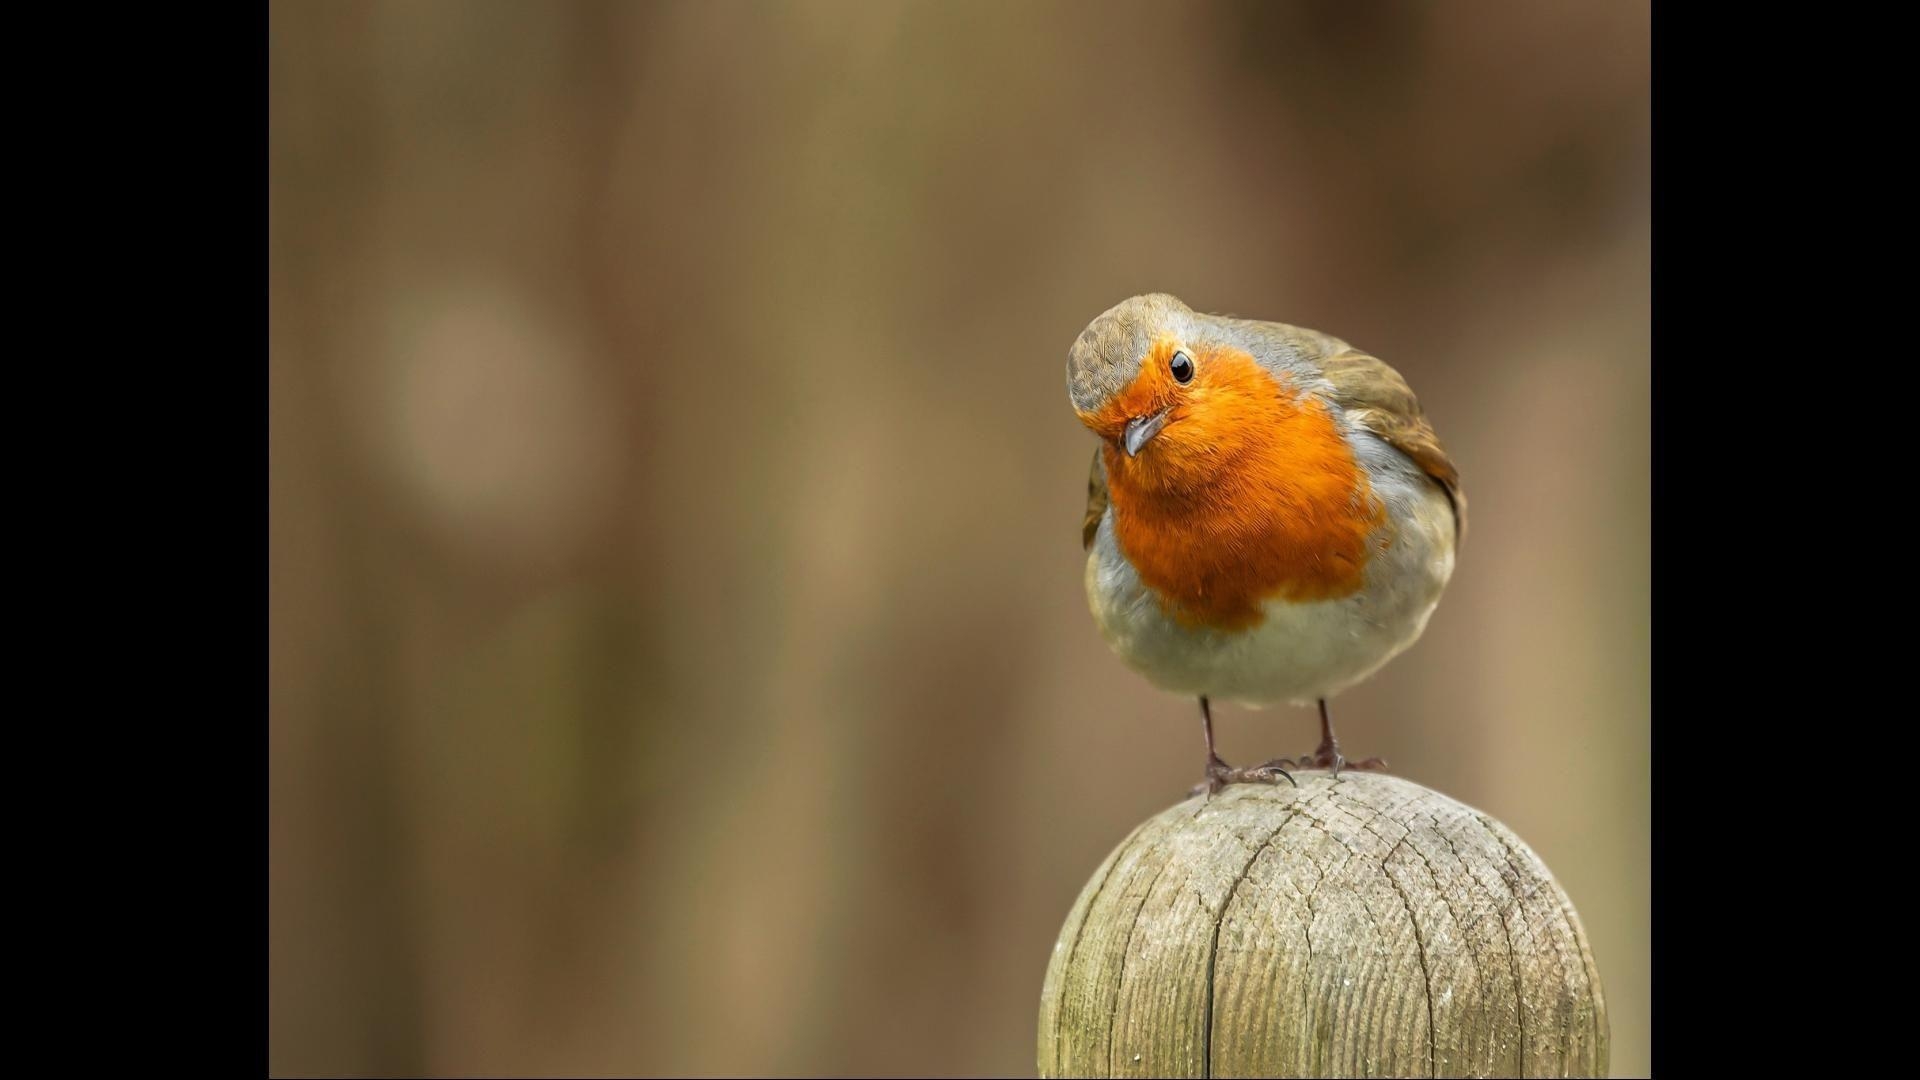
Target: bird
[1270, 517]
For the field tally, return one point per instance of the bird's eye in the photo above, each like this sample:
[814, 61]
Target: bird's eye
[1182, 366]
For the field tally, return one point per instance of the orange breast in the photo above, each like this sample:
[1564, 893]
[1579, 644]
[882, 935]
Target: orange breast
[1250, 494]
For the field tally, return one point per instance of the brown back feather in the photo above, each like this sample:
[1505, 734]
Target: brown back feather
[1383, 403]
[1096, 501]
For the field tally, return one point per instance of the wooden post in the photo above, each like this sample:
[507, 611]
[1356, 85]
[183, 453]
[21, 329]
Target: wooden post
[1364, 926]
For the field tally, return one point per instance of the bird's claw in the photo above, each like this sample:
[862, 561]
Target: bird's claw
[1330, 758]
[1220, 774]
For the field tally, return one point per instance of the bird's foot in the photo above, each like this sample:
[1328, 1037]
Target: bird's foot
[1220, 774]
[1329, 757]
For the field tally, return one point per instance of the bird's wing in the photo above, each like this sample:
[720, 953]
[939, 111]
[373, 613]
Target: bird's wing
[1096, 501]
[1383, 403]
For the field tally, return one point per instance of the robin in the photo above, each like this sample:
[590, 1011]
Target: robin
[1269, 518]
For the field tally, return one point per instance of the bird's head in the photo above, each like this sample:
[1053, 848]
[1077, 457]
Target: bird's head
[1173, 393]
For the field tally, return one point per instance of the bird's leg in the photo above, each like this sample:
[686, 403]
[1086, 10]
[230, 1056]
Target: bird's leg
[1329, 756]
[1219, 774]
[1214, 764]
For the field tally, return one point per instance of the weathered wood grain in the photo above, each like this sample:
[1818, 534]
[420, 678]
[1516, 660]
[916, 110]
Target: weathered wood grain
[1364, 926]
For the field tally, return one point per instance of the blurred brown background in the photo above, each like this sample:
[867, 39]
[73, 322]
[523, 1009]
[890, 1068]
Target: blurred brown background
[679, 657]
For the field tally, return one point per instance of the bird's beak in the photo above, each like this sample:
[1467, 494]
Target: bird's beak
[1142, 428]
